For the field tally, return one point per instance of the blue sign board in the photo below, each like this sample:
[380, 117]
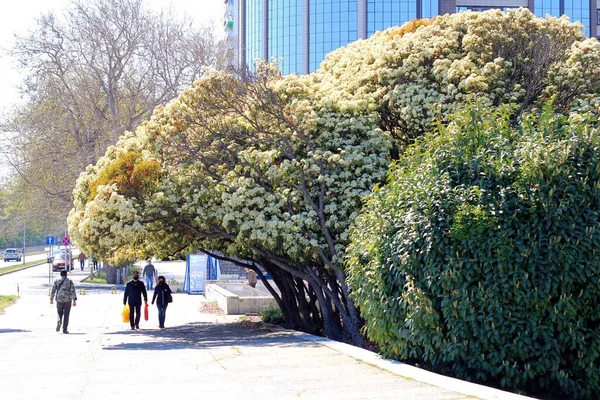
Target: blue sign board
[49, 239]
[195, 274]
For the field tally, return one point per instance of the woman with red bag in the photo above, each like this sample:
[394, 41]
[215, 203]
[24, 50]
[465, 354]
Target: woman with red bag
[162, 296]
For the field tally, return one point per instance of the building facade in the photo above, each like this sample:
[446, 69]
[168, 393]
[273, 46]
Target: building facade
[299, 33]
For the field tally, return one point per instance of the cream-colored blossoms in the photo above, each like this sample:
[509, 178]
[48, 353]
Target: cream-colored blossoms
[499, 57]
[279, 165]
[275, 169]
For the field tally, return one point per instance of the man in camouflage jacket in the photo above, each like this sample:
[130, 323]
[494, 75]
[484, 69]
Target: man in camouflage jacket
[64, 291]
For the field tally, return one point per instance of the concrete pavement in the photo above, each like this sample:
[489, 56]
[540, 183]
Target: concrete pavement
[198, 356]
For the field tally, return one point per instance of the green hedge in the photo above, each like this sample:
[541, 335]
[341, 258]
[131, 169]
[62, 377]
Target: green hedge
[481, 257]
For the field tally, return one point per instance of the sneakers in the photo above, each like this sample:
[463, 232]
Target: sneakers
[58, 326]
[137, 327]
[65, 331]
[133, 328]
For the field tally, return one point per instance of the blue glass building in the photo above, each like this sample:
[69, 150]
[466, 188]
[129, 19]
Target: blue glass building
[299, 33]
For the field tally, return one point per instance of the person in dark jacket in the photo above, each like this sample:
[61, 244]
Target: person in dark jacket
[162, 295]
[133, 294]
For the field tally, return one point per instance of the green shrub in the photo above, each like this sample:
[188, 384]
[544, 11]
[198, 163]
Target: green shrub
[272, 315]
[480, 258]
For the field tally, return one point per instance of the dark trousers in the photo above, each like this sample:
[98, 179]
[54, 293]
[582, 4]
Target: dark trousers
[63, 308]
[162, 313]
[134, 311]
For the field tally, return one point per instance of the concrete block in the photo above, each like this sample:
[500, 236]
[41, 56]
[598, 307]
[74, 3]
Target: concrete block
[238, 298]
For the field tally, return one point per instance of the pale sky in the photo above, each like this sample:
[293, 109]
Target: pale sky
[18, 16]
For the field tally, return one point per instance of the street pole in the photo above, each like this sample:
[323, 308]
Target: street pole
[24, 223]
[50, 265]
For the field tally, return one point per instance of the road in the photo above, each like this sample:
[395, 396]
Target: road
[28, 258]
[199, 355]
[34, 280]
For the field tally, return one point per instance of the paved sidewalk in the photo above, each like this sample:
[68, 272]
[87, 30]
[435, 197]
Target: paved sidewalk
[197, 356]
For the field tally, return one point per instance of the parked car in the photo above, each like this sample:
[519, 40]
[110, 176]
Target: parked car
[60, 261]
[12, 255]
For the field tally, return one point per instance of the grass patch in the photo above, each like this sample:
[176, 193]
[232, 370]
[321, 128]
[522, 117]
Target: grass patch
[96, 278]
[102, 278]
[6, 301]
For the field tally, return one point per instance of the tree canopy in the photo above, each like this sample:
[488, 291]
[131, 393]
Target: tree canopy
[273, 170]
[252, 167]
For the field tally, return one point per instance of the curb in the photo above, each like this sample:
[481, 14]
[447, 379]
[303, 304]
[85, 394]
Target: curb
[411, 372]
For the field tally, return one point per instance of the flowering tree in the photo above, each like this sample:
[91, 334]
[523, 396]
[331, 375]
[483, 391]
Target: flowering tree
[252, 166]
[272, 169]
[420, 73]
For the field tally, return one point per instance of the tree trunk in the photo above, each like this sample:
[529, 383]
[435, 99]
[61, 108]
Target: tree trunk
[288, 305]
[111, 275]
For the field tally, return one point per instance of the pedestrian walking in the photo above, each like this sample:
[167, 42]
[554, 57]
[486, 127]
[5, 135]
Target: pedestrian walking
[63, 290]
[81, 260]
[95, 262]
[149, 272]
[162, 296]
[134, 290]
[251, 277]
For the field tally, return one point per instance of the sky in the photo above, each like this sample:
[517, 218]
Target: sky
[17, 17]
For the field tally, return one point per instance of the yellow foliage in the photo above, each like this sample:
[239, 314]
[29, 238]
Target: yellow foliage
[130, 173]
[409, 27]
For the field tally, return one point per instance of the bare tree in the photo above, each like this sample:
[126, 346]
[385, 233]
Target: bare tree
[94, 72]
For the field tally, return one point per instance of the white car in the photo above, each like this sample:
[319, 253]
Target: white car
[12, 255]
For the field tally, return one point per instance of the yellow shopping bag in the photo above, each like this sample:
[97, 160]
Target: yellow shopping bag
[125, 313]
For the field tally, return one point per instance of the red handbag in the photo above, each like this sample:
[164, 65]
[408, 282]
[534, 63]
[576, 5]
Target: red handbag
[146, 312]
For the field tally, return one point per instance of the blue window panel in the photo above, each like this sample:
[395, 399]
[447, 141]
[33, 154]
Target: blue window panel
[430, 8]
[577, 10]
[382, 14]
[254, 41]
[285, 34]
[330, 22]
[547, 7]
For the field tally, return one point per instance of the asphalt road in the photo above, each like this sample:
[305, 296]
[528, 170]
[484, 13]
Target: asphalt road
[199, 355]
[34, 280]
[33, 257]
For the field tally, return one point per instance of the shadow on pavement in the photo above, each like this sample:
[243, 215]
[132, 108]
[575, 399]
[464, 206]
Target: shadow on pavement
[12, 330]
[202, 335]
